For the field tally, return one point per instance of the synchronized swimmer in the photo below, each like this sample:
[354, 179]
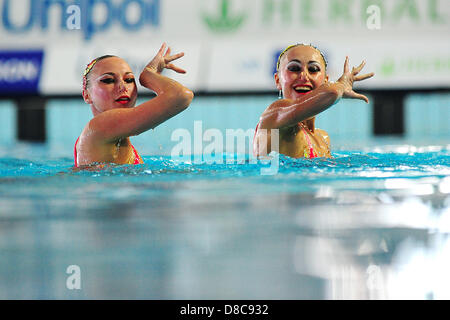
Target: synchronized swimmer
[109, 87]
[302, 80]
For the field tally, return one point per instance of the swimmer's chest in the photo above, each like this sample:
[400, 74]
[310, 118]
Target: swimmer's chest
[296, 143]
[120, 152]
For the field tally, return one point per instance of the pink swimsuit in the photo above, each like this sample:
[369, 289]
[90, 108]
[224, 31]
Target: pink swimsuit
[311, 149]
[136, 155]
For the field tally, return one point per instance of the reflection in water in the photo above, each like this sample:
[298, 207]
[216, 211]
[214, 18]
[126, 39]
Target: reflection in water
[359, 226]
[396, 249]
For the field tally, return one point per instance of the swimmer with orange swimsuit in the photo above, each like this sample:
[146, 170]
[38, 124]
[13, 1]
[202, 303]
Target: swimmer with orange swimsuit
[302, 79]
[109, 87]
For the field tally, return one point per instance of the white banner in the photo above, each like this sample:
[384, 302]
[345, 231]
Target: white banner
[64, 65]
[231, 45]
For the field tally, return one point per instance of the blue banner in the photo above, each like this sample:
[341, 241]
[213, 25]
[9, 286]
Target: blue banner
[20, 71]
[79, 14]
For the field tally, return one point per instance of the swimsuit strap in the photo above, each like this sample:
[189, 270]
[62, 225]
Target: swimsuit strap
[311, 149]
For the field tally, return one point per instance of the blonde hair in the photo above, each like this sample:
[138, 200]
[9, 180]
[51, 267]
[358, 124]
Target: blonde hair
[296, 45]
[90, 66]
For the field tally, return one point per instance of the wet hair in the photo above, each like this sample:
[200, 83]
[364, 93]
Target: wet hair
[296, 45]
[90, 66]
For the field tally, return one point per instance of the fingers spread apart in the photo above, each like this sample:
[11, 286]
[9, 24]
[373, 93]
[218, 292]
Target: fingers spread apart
[356, 70]
[174, 57]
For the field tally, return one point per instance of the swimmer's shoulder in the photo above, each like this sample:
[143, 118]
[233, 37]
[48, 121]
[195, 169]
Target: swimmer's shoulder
[96, 133]
[91, 142]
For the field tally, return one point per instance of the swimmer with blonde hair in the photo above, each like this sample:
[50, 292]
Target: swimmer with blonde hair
[109, 87]
[302, 80]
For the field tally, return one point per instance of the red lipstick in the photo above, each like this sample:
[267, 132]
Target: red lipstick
[123, 99]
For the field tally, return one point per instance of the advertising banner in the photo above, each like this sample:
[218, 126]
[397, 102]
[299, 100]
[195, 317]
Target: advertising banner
[20, 71]
[232, 45]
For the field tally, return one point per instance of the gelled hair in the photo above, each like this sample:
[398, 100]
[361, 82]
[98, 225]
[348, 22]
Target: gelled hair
[89, 68]
[296, 45]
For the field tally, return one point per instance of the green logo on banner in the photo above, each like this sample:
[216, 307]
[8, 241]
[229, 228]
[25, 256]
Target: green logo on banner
[224, 21]
[388, 67]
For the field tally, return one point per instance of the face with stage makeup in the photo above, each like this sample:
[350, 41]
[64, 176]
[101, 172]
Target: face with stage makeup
[110, 84]
[301, 70]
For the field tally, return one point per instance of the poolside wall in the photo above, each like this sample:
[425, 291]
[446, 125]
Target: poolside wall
[349, 122]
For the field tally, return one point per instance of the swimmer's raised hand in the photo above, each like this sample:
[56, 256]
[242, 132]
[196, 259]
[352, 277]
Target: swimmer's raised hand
[348, 78]
[163, 60]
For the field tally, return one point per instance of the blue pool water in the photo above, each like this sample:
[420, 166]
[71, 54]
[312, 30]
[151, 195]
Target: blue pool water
[371, 223]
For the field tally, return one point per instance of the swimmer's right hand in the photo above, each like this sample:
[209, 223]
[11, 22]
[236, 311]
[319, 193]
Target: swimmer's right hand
[347, 79]
[163, 60]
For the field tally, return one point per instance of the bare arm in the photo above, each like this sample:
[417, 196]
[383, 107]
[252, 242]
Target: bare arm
[285, 113]
[172, 98]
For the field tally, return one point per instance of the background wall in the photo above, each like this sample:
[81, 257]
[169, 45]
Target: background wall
[230, 45]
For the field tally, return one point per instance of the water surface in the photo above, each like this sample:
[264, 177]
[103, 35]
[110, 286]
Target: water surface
[368, 224]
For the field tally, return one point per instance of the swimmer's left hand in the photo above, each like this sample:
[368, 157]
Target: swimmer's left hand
[348, 78]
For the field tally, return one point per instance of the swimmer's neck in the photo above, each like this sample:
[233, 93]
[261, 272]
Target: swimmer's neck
[309, 123]
[94, 111]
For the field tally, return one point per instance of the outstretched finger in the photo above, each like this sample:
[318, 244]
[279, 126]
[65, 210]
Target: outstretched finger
[358, 68]
[161, 50]
[354, 95]
[174, 57]
[346, 65]
[167, 52]
[175, 68]
[364, 77]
